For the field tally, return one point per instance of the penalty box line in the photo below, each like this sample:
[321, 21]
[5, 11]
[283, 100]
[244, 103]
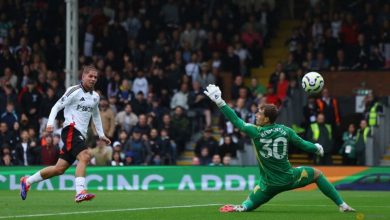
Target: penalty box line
[107, 211]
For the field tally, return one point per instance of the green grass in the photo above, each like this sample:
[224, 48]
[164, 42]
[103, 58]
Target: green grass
[142, 205]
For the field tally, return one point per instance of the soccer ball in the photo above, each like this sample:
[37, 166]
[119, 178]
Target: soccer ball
[312, 82]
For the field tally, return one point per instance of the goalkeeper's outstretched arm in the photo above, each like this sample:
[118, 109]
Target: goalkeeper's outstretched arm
[305, 145]
[214, 93]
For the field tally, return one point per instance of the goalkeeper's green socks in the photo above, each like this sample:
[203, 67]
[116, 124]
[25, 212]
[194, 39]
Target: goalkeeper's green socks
[328, 189]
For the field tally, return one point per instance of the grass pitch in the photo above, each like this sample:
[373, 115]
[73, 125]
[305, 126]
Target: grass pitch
[187, 205]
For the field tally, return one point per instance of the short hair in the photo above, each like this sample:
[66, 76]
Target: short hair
[88, 68]
[270, 111]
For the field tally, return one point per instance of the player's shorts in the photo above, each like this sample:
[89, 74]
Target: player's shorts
[74, 143]
[262, 193]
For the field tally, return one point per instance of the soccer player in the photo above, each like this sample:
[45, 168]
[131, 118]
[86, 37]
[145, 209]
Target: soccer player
[80, 103]
[271, 142]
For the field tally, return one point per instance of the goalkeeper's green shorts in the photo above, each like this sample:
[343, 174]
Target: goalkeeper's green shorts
[262, 193]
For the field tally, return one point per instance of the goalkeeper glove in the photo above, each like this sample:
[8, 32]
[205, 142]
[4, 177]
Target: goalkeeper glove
[320, 150]
[214, 93]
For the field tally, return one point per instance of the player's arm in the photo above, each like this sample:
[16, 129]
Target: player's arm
[98, 123]
[304, 145]
[214, 93]
[65, 100]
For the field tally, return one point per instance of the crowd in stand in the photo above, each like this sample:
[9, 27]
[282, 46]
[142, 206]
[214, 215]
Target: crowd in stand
[154, 58]
[351, 37]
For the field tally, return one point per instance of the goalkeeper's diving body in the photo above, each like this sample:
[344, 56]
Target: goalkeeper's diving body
[271, 142]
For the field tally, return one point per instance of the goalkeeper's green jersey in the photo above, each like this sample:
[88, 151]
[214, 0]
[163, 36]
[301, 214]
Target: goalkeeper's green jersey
[271, 144]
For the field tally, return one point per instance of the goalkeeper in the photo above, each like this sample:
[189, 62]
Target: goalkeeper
[271, 143]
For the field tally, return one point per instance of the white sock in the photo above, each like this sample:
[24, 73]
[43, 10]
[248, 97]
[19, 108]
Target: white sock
[344, 205]
[34, 178]
[80, 184]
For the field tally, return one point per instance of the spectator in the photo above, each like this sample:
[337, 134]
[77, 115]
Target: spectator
[126, 119]
[170, 13]
[181, 128]
[348, 150]
[195, 161]
[206, 140]
[205, 77]
[274, 78]
[231, 62]
[361, 139]
[30, 100]
[256, 88]
[10, 116]
[329, 107]
[27, 151]
[137, 149]
[101, 154]
[199, 104]
[189, 36]
[48, 101]
[282, 86]
[193, 68]
[340, 63]
[108, 118]
[245, 58]
[321, 132]
[125, 95]
[139, 104]
[361, 54]
[9, 78]
[129, 159]
[142, 125]
[49, 151]
[116, 159]
[140, 84]
[254, 42]
[205, 157]
[170, 148]
[157, 150]
[6, 136]
[216, 160]
[227, 147]
[180, 98]
[226, 160]
[272, 97]
[376, 59]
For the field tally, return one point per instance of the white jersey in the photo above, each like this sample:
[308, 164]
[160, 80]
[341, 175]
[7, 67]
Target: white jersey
[79, 106]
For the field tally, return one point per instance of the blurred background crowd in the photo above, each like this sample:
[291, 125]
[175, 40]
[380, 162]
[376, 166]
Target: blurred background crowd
[154, 59]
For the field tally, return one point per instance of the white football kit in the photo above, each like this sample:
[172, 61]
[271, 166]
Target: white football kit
[79, 106]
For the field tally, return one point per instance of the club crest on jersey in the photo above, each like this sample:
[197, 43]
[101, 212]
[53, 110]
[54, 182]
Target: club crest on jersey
[94, 99]
[82, 99]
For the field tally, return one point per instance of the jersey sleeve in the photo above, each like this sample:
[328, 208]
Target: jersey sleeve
[65, 100]
[249, 129]
[297, 141]
[97, 120]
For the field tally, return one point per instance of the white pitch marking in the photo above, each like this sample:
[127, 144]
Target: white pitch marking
[107, 210]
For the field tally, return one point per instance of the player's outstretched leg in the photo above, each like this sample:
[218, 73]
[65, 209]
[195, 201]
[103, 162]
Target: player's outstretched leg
[83, 196]
[256, 198]
[328, 189]
[45, 173]
[81, 193]
[24, 188]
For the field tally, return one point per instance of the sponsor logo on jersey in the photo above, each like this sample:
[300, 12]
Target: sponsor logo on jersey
[84, 108]
[82, 99]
